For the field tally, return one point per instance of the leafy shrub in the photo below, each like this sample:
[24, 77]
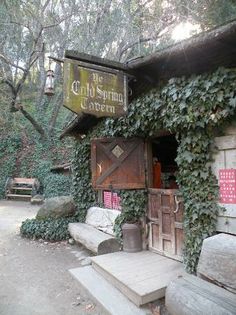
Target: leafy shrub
[8, 152]
[133, 209]
[82, 190]
[49, 229]
[56, 185]
[42, 170]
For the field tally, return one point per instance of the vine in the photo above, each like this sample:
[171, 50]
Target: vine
[82, 190]
[191, 108]
[133, 208]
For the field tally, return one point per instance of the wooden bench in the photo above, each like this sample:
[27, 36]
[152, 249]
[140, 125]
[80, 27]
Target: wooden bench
[194, 295]
[96, 233]
[21, 188]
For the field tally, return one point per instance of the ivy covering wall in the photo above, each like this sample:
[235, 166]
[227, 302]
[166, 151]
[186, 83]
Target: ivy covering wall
[8, 155]
[193, 109]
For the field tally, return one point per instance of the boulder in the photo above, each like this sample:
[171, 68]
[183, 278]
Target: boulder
[217, 261]
[191, 295]
[57, 207]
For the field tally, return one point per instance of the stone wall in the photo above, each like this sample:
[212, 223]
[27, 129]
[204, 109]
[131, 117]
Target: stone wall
[225, 158]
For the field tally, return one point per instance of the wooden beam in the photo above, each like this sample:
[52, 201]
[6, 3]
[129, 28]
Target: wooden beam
[73, 54]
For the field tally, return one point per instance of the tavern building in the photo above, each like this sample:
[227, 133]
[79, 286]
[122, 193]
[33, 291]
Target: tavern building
[121, 163]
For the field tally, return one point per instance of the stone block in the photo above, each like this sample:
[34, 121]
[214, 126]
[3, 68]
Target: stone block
[191, 295]
[217, 261]
[102, 219]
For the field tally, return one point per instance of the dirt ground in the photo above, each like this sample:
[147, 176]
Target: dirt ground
[34, 277]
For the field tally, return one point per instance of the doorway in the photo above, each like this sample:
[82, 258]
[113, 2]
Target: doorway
[165, 206]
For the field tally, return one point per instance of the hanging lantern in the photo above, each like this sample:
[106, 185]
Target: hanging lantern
[49, 85]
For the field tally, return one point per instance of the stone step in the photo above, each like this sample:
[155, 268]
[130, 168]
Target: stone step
[111, 300]
[142, 277]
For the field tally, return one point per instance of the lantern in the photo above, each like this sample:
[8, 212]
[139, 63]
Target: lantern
[49, 85]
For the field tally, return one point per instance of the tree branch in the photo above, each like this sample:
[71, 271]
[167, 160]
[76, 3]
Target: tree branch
[10, 84]
[35, 124]
[58, 23]
[130, 45]
[5, 59]
[57, 106]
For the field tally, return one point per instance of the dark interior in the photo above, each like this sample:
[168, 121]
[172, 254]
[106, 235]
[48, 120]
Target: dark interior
[165, 150]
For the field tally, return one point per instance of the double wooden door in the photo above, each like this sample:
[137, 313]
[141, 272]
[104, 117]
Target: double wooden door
[119, 163]
[165, 222]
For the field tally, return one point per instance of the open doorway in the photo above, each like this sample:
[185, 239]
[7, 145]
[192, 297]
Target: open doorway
[165, 206]
[164, 153]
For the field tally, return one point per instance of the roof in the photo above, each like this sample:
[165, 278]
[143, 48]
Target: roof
[80, 125]
[201, 53]
[86, 58]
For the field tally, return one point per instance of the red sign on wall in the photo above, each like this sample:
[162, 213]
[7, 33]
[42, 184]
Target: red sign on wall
[111, 200]
[227, 181]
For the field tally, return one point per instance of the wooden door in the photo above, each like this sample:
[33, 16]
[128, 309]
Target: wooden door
[165, 222]
[118, 163]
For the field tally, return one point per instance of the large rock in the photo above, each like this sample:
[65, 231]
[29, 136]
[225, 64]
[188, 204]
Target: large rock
[191, 295]
[217, 261]
[57, 207]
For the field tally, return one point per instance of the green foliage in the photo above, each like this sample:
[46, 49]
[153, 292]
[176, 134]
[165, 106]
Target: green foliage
[199, 102]
[192, 108]
[200, 192]
[82, 190]
[134, 204]
[206, 13]
[56, 185]
[49, 229]
[41, 170]
[8, 152]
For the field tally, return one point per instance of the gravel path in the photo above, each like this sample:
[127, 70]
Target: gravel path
[34, 277]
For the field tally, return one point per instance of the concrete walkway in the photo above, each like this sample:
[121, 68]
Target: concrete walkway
[34, 277]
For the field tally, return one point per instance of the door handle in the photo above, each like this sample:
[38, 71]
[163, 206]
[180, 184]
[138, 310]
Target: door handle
[177, 204]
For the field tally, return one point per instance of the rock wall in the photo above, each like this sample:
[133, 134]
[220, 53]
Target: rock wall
[225, 158]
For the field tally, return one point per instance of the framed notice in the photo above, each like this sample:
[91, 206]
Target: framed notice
[111, 200]
[102, 92]
[227, 182]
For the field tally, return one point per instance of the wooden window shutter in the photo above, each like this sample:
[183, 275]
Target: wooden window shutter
[118, 163]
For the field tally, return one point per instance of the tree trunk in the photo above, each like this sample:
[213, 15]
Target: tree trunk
[35, 124]
[56, 109]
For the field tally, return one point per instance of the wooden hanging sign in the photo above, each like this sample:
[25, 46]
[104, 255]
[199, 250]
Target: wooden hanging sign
[98, 91]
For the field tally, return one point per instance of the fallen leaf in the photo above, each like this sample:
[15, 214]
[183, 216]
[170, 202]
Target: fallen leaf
[89, 307]
[156, 311]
